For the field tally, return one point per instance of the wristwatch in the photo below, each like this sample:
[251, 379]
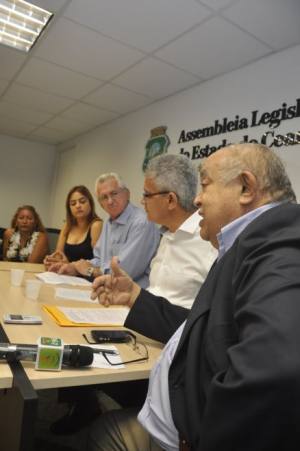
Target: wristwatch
[90, 271]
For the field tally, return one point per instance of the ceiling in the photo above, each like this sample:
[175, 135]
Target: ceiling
[101, 59]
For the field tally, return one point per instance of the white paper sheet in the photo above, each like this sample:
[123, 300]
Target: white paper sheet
[106, 316]
[74, 294]
[58, 279]
[100, 362]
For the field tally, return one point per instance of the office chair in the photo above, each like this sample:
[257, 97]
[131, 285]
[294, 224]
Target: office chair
[2, 230]
[52, 237]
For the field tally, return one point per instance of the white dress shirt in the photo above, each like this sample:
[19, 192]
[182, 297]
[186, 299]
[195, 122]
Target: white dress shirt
[181, 263]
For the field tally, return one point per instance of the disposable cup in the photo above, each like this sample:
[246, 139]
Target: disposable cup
[32, 289]
[16, 277]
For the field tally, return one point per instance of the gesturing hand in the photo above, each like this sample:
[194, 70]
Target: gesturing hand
[116, 288]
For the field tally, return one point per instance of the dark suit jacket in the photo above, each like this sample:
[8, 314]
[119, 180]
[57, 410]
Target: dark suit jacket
[234, 383]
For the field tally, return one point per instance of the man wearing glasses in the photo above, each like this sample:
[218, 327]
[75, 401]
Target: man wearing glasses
[127, 234]
[183, 258]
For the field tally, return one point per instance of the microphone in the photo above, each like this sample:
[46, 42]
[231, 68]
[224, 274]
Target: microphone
[73, 355]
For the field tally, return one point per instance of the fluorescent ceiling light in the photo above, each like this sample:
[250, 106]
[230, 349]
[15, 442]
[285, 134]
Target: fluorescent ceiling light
[21, 23]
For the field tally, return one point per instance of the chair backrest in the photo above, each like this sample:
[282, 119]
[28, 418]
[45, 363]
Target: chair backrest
[2, 230]
[52, 237]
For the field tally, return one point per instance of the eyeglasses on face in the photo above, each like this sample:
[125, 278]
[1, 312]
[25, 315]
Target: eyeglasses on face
[111, 195]
[159, 193]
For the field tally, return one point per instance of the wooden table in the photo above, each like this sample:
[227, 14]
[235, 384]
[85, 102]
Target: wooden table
[13, 300]
[6, 377]
[29, 267]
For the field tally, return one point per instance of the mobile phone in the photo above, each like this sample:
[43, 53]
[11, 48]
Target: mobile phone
[111, 336]
[22, 319]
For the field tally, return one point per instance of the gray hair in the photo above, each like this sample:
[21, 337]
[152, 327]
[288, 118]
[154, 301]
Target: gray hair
[262, 162]
[110, 175]
[175, 173]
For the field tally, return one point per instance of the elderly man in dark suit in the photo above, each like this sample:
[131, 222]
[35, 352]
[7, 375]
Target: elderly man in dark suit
[229, 376]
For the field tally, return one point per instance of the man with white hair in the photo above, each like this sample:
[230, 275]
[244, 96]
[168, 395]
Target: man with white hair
[133, 239]
[127, 234]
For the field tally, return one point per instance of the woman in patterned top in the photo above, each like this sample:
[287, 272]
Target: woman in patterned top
[26, 240]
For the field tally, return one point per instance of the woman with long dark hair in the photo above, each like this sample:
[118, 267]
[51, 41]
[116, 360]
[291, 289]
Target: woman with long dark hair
[80, 231]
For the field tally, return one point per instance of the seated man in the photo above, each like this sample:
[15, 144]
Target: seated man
[126, 234]
[183, 258]
[229, 376]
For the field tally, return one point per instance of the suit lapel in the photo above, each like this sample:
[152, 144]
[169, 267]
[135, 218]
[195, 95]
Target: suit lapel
[202, 302]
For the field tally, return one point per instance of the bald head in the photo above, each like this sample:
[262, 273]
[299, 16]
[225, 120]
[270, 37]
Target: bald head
[236, 180]
[271, 177]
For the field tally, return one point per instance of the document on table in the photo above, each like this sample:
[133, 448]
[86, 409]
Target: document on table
[109, 316]
[58, 279]
[74, 294]
[100, 361]
[102, 316]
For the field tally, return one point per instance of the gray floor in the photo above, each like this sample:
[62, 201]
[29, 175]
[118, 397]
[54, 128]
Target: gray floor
[49, 411]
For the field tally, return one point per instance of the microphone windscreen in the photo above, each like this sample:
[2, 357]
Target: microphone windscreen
[80, 356]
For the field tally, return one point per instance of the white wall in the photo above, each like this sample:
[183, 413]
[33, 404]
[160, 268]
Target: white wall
[26, 175]
[120, 146]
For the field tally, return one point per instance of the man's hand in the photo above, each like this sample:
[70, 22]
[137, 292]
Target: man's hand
[54, 267]
[82, 266]
[116, 288]
[68, 268]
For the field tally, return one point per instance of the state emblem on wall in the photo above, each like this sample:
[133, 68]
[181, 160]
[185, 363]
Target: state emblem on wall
[156, 145]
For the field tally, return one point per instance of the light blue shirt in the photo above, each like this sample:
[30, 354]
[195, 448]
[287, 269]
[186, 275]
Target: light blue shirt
[131, 238]
[232, 230]
[156, 416]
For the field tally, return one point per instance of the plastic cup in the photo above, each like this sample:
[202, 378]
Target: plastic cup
[16, 277]
[32, 289]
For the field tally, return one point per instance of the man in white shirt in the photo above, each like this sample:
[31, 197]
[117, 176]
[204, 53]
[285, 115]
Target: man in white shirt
[183, 258]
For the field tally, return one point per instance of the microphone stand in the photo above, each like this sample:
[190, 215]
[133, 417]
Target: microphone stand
[24, 400]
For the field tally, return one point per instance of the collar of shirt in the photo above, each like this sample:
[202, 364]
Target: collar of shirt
[123, 217]
[191, 223]
[188, 226]
[232, 230]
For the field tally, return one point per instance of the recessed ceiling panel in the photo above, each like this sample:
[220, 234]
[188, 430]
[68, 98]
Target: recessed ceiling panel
[155, 79]
[88, 52]
[144, 24]
[3, 85]
[227, 48]
[35, 99]
[117, 99]
[14, 111]
[217, 4]
[50, 135]
[88, 114]
[68, 125]
[275, 22]
[56, 79]
[11, 61]
[15, 128]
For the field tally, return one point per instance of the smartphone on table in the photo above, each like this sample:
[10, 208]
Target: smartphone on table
[11, 318]
[111, 336]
